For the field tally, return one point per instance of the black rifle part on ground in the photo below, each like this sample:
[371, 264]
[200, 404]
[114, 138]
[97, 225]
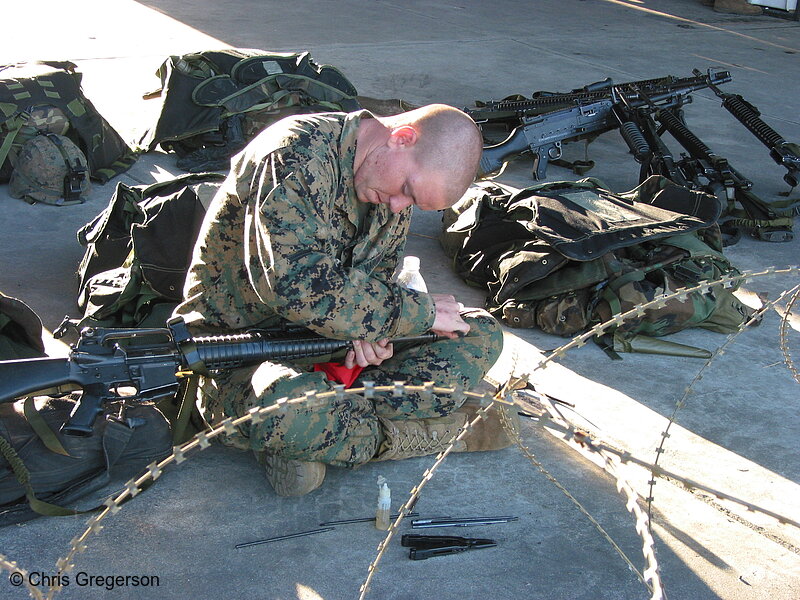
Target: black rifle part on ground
[284, 537]
[426, 546]
[364, 519]
[152, 362]
[530, 388]
[782, 152]
[465, 522]
[543, 134]
[639, 130]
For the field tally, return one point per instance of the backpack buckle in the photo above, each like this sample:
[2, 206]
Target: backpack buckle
[72, 182]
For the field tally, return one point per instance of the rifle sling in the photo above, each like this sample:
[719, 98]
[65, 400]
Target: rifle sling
[41, 428]
[186, 407]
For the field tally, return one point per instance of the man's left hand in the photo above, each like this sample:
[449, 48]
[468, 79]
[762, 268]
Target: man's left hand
[365, 354]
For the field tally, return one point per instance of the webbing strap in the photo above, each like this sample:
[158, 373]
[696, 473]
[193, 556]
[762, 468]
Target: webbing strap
[41, 428]
[76, 174]
[187, 399]
[116, 437]
[5, 148]
[24, 477]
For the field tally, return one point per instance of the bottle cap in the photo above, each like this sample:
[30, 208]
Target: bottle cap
[411, 263]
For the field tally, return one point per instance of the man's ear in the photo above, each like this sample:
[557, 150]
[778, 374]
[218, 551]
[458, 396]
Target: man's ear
[403, 136]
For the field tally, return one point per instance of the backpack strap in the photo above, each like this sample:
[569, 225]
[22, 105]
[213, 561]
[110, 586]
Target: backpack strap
[24, 477]
[41, 428]
[71, 190]
[16, 124]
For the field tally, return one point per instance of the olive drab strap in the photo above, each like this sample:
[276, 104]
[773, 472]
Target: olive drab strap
[76, 173]
[24, 477]
[41, 428]
[45, 472]
[12, 125]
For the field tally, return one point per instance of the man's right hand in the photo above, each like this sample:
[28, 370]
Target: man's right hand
[448, 322]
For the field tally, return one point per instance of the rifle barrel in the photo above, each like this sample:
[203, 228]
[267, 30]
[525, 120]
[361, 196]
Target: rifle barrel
[219, 352]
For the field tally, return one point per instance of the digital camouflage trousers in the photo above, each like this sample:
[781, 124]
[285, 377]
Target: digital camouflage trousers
[345, 430]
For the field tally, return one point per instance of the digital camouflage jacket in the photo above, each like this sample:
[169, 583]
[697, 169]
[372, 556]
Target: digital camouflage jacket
[286, 238]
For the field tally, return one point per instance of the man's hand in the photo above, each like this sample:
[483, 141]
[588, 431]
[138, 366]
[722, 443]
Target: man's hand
[448, 318]
[365, 354]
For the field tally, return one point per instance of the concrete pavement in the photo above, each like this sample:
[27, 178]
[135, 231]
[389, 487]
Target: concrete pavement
[736, 432]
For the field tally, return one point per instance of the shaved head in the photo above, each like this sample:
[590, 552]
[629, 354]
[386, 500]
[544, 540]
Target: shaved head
[448, 144]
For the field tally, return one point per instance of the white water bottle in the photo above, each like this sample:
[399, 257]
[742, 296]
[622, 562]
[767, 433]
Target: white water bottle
[409, 275]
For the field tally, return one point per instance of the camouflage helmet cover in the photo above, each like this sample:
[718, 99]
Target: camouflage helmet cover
[50, 168]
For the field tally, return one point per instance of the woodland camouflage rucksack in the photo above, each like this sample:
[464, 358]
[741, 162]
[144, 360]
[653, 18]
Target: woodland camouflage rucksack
[564, 255]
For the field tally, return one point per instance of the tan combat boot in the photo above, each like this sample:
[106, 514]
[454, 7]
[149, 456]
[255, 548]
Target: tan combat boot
[409, 438]
[736, 7]
[289, 477]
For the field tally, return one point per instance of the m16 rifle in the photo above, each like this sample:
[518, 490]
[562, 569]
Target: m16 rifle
[591, 113]
[153, 362]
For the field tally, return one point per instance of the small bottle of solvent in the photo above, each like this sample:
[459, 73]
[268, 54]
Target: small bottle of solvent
[382, 518]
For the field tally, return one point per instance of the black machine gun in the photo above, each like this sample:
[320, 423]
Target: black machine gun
[510, 110]
[548, 120]
[153, 362]
[782, 152]
[697, 168]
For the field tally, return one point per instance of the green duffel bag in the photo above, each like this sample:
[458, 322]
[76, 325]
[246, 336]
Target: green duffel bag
[44, 472]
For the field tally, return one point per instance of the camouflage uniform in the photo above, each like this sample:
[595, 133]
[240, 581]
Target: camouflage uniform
[287, 239]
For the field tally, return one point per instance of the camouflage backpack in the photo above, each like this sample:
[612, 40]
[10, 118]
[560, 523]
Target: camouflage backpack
[564, 255]
[213, 102]
[46, 98]
[50, 168]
